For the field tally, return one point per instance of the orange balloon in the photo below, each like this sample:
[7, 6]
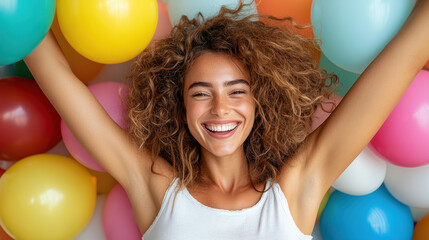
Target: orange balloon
[83, 68]
[421, 230]
[427, 65]
[105, 182]
[299, 10]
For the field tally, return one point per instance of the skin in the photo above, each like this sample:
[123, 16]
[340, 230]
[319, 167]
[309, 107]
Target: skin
[316, 165]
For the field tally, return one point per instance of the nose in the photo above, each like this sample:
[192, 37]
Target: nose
[221, 106]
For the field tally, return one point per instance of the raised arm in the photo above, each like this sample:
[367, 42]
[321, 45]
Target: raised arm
[107, 143]
[337, 142]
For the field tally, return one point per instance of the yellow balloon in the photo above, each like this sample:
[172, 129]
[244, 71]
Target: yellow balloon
[46, 197]
[323, 204]
[108, 31]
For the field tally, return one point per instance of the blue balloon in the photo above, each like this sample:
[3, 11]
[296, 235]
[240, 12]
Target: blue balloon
[347, 79]
[353, 32]
[209, 8]
[23, 25]
[377, 216]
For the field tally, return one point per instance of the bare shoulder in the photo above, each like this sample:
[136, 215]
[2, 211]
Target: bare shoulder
[301, 186]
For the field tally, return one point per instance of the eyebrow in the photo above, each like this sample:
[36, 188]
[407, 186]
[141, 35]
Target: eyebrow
[226, 84]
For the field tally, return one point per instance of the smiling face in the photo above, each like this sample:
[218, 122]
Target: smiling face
[220, 109]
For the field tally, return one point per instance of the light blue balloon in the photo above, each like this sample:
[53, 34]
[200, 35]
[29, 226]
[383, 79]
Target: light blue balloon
[209, 8]
[353, 32]
[23, 25]
[377, 216]
[347, 79]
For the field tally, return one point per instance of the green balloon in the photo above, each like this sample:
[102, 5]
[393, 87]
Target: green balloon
[347, 79]
[18, 69]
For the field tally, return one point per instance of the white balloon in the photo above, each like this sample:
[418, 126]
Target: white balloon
[409, 185]
[113, 72]
[363, 176]
[59, 149]
[418, 213]
[94, 229]
[6, 164]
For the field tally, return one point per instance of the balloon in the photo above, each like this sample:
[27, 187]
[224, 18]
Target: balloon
[347, 79]
[316, 232]
[94, 229]
[421, 232]
[403, 138]
[409, 185]
[5, 164]
[418, 213]
[18, 69]
[1, 171]
[118, 30]
[319, 116]
[83, 68]
[113, 73]
[23, 26]
[109, 95]
[323, 204]
[299, 10]
[353, 33]
[164, 25]
[105, 182]
[59, 149]
[209, 9]
[374, 216]
[4, 235]
[118, 217]
[29, 123]
[363, 176]
[46, 196]
[427, 65]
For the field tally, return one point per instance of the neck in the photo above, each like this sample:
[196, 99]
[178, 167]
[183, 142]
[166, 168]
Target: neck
[226, 172]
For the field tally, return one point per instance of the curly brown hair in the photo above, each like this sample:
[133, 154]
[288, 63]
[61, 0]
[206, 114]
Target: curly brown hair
[286, 83]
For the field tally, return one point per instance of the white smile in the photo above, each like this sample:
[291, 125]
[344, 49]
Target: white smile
[221, 127]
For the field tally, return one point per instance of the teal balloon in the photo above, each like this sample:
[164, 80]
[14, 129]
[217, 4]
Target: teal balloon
[23, 25]
[18, 69]
[376, 216]
[353, 32]
[208, 8]
[347, 79]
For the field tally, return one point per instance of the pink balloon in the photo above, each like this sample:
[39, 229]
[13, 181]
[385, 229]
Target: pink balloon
[320, 116]
[403, 139]
[107, 93]
[163, 26]
[118, 217]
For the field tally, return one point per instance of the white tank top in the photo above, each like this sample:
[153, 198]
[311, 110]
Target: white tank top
[269, 219]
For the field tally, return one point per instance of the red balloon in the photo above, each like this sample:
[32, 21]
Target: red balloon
[1, 173]
[29, 123]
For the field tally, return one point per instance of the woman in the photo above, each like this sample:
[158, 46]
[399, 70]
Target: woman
[218, 145]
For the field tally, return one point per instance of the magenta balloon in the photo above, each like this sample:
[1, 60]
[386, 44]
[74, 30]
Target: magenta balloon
[118, 217]
[403, 139]
[107, 93]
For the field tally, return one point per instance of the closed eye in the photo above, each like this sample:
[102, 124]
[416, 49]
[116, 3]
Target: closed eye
[239, 92]
[199, 94]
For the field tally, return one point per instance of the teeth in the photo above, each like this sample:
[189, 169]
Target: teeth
[221, 128]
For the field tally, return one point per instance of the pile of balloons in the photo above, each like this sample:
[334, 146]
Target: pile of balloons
[51, 196]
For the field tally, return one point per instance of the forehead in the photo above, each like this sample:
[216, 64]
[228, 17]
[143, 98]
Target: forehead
[216, 68]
